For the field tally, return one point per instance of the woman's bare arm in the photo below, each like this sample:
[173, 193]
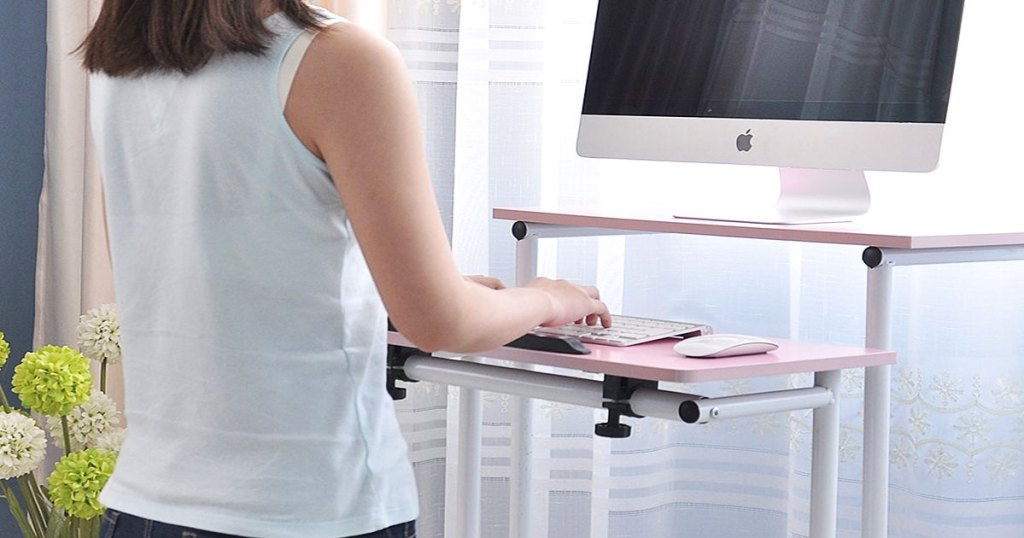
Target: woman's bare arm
[352, 104]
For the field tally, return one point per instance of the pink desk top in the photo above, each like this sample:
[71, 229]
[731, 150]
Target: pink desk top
[657, 361]
[934, 232]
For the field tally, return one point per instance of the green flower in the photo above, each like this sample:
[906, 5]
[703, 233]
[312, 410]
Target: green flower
[53, 380]
[77, 479]
[5, 350]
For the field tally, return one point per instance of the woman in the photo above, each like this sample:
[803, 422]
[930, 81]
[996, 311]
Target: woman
[256, 242]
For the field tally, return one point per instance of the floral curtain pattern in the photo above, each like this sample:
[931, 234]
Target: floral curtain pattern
[977, 453]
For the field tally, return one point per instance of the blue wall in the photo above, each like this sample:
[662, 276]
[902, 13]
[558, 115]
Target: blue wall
[22, 105]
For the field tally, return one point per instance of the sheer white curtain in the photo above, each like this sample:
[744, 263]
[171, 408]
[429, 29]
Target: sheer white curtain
[500, 87]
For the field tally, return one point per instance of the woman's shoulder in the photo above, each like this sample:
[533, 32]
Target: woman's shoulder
[347, 45]
[348, 65]
[349, 76]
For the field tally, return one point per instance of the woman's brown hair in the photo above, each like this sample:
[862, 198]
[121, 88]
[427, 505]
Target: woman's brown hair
[135, 37]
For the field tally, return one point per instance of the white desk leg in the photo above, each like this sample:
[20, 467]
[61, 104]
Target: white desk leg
[877, 384]
[467, 500]
[521, 505]
[825, 459]
[520, 496]
[527, 258]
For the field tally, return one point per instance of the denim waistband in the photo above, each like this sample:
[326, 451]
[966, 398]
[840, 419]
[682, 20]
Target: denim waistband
[121, 525]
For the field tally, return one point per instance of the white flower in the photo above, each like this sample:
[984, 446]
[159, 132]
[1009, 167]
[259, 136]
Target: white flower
[99, 334]
[111, 440]
[22, 445]
[87, 422]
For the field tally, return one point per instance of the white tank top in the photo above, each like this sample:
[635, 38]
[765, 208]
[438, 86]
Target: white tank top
[253, 335]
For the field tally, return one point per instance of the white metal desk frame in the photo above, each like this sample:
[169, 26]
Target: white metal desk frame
[825, 422]
[646, 400]
[878, 380]
[822, 398]
[946, 248]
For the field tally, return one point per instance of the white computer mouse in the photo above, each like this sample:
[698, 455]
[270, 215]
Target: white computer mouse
[710, 346]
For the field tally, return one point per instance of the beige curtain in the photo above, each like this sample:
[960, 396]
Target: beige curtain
[73, 272]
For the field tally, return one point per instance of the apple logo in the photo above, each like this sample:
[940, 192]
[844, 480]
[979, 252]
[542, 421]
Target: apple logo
[743, 141]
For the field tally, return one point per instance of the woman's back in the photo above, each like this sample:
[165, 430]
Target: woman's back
[252, 329]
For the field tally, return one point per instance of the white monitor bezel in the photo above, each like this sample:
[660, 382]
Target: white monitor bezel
[816, 144]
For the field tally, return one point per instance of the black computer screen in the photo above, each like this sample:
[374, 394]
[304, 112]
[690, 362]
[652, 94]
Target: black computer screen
[843, 60]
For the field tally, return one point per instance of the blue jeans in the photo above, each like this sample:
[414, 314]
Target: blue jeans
[121, 525]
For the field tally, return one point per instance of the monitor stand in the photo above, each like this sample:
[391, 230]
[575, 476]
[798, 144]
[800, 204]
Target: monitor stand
[806, 196]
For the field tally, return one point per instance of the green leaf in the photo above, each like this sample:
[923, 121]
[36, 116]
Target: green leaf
[58, 526]
[18, 513]
[32, 503]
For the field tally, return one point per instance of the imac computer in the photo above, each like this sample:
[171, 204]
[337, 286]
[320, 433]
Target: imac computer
[821, 89]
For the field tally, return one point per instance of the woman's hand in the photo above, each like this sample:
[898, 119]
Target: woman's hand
[572, 303]
[565, 296]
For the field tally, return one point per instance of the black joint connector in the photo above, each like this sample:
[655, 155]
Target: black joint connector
[689, 412]
[613, 428]
[620, 389]
[396, 392]
[617, 391]
[397, 355]
[519, 230]
[872, 257]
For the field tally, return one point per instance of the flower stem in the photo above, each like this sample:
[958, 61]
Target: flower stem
[103, 376]
[16, 511]
[3, 400]
[41, 499]
[35, 513]
[67, 434]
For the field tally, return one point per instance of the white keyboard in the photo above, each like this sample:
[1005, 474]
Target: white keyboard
[627, 331]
